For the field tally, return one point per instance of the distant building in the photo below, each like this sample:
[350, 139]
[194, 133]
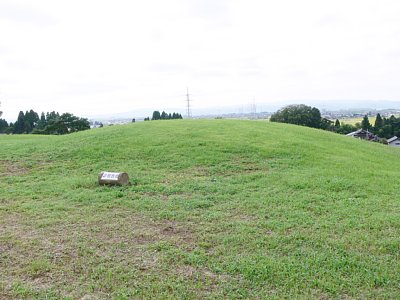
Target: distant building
[394, 141]
[364, 135]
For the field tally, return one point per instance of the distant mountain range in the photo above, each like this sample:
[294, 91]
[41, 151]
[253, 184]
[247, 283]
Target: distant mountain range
[251, 109]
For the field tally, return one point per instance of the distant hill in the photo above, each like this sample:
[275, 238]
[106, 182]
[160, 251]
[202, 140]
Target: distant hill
[216, 209]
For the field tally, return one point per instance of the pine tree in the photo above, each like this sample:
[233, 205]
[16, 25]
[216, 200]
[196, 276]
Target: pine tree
[31, 121]
[337, 123]
[164, 116]
[3, 125]
[378, 122]
[42, 122]
[365, 124]
[20, 123]
[27, 126]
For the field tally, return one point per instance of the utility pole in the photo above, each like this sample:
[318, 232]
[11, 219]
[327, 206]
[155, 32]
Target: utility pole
[188, 108]
[254, 108]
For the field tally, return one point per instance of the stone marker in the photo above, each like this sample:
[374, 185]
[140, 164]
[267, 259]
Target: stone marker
[113, 178]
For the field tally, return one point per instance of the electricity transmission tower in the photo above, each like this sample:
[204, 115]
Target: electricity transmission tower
[254, 108]
[188, 108]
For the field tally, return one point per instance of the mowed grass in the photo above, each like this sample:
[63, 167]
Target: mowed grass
[216, 209]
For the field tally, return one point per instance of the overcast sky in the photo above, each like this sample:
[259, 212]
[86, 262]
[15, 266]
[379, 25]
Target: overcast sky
[98, 57]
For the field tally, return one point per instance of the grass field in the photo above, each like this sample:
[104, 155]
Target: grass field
[217, 209]
[354, 121]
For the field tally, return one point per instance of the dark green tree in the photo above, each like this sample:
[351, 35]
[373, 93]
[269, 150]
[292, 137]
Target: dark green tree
[52, 116]
[365, 124]
[164, 116]
[42, 123]
[378, 122]
[31, 120]
[27, 127]
[10, 128]
[3, 126]
[79, 124]
[156, 115]
[326, 124]
[298, 114]
[66, 123]
[19, 125]
[315, 118]
[346, 128]
[337, 124]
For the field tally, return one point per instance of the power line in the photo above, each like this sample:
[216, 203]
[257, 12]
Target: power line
[254, 107]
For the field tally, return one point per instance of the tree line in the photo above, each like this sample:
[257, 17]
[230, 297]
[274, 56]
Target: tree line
[383, 127]
[300, 114]
[49, 123]
[164, 116]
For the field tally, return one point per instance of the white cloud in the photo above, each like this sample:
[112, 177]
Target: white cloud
[94, 57]
[25, 14]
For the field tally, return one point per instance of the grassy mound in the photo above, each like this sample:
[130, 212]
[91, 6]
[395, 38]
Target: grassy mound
[218, 209]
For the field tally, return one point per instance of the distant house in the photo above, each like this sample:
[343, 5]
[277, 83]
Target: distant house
[394, 141]
[364, 135]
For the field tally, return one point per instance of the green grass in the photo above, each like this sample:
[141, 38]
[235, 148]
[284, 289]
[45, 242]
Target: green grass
[217, 209]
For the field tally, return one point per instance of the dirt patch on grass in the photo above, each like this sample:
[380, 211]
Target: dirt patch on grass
[210, 280]
[71, 255]
[12, 168]
[190, 271]
[181, 235]
[18, 168]
[200, 171]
